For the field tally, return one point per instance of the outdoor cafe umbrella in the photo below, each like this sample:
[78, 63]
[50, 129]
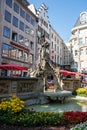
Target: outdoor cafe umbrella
[12, 66]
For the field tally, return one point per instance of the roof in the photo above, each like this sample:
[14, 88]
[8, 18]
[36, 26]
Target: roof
[79, 23]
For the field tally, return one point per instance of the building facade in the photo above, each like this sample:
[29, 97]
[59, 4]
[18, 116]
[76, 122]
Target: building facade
[78, 44]
[17, 33]
[43, 31]
[56, 48]
[67, 56]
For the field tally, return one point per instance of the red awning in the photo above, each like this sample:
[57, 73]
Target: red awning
[66, 73]
[12, 67]
[72, 73]
[81, 74]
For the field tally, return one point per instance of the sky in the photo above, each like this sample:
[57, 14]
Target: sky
[63, 14]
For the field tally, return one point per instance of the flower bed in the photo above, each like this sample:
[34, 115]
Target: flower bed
[82, 91]
[13, 112]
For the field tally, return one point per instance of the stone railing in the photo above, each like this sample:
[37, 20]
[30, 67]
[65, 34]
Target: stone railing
[19, 86]
[71, 84]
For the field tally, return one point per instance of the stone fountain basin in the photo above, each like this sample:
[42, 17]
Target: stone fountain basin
[58, 95]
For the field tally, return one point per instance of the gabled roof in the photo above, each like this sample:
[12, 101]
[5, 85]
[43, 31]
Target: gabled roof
[78, 23]
[32, 8]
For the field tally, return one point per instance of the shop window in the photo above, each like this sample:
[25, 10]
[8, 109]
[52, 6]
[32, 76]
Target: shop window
[5, 49]
[25, 57]
[12, 52]
[20, 55]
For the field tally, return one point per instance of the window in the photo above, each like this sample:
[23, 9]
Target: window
[55, 47]
[32, 32]
[86, 51]
[9, 3]
[31, 45]
[9, 51]
[16, 8]
[14, 36]
[32, 22]
[6, 32]
[76, 52]
[25, 57]
[15, 21]
[31, 58]
[86, 40]
[76, 65]
[5, 49]
[22, 13]
[7, 16]
[27, 29]
[52, 46]
[80, 40]
[81, 51]
[75, 41]
[82, 64]
[27, 17]
[20, 55]
[52, 35]
[22, 26]
[57, 59]
[83, 18]
[12, 52]
[21, 39]
[26, 42]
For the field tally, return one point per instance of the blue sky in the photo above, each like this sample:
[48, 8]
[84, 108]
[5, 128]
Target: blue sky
[62, 14]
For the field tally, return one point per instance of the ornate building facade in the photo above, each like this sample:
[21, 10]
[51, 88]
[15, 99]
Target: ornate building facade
[78, 44]
[43, 31]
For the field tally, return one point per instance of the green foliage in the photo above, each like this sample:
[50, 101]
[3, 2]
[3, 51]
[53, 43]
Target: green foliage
[27, 118]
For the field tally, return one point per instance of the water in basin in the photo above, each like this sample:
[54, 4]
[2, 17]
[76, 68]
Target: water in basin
[70, 104]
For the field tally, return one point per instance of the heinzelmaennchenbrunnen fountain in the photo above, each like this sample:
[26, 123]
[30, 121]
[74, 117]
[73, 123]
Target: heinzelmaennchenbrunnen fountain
[49, 80]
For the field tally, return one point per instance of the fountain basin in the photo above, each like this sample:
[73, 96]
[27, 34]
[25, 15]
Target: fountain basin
[60, 95]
